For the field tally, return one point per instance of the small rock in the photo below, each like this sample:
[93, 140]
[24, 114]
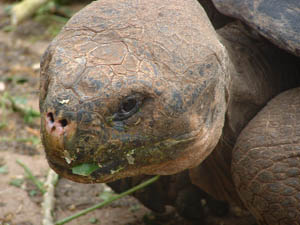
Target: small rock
[2, 86]
[36, 66]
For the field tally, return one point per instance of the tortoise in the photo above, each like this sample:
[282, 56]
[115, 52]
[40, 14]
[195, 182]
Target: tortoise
[137, 88]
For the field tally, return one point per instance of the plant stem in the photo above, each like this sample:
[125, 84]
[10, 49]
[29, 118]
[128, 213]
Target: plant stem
[108, 201]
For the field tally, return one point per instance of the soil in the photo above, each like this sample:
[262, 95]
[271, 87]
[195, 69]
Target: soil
[20, 200]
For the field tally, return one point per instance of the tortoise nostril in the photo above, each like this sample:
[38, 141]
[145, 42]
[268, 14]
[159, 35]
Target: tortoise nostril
[63, 122]
[50, 117]
[59, 123]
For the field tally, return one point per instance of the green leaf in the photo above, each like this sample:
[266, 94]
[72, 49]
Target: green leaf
[3, 170]
[33, 140]
[3, 125]
[106, 195]
[19, 100]
[7, 8]
[30, 114]
[93, 220]
[21, 80]
[33, 193]
[85, 169]
[134, 208]
[8, 28]
[16, 182]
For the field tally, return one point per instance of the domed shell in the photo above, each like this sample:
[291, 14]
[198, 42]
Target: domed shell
[278, 21]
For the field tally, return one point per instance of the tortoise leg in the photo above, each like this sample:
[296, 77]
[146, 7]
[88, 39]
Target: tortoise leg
[175, 190]
[266, 162]
[154, 196]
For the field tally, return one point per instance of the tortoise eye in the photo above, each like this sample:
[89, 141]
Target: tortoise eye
[129, 106]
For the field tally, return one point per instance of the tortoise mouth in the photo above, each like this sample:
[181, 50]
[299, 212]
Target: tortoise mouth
[132, 164]
[109, 171]
[66, 172]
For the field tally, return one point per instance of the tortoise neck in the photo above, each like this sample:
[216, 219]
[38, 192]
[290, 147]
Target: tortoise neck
[258, 71]
[254, 80]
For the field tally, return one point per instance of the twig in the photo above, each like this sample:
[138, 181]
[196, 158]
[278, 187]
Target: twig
[25, 9]
[39, 184]
[49, 200]
[108, 201]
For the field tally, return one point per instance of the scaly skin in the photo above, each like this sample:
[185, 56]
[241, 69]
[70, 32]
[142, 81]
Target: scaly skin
[266, 162]
[149, 87]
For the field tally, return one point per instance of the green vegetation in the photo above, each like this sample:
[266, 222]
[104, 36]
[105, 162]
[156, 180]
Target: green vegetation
[32, 140]
[39, 184]
[52, 15]
[3, 121]
[3, 169]
[108, 201]
[85, 169]
[93, 220]
[17, 182]
[107, 196]
[16, 104]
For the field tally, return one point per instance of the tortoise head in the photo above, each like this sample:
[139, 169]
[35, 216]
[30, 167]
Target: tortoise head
[133, 89]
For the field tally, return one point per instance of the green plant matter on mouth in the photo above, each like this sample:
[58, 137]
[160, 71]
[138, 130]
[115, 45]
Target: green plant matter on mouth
[84, 169]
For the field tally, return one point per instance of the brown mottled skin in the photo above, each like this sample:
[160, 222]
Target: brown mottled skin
[149, 87]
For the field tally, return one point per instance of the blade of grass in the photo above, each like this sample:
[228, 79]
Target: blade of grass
[27, 113]
[38, 183]
[108, 201]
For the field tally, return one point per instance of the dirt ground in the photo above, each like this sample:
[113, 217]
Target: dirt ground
[20, 200]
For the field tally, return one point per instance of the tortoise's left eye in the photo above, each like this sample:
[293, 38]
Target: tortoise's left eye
[128, 107]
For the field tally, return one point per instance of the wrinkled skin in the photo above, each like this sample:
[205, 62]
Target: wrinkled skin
[179, 100]
[150, 88]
